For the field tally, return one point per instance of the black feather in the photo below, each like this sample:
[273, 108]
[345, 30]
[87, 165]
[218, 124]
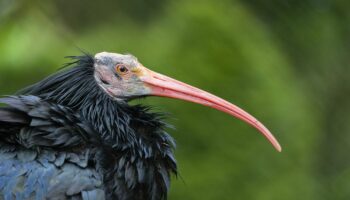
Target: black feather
[76, 136]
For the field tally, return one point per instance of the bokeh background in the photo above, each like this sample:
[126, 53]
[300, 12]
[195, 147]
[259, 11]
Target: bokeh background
[286, 62]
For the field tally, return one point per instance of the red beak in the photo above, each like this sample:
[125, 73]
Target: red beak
[161, 85]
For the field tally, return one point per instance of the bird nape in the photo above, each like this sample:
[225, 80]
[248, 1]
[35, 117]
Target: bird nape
[73, 135]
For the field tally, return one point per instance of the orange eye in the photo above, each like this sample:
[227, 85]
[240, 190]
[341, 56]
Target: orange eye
[121, 69]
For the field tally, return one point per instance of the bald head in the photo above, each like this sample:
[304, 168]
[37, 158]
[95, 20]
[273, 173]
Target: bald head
[108, 58]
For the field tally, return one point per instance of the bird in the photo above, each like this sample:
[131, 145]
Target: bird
[74, 134]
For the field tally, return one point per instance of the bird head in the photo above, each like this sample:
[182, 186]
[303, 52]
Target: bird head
[123, 77]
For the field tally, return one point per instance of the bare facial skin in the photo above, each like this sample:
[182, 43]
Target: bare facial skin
[119, 75]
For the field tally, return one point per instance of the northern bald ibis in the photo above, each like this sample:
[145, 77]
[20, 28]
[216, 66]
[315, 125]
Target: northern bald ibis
[73, 135]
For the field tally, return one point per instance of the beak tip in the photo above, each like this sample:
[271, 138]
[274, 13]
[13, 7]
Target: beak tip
[275, 144]
[278, 148]
[258, 125]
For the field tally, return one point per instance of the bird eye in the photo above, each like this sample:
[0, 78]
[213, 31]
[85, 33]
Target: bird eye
[121, 69]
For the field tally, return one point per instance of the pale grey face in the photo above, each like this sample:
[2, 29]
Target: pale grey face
[119, 75]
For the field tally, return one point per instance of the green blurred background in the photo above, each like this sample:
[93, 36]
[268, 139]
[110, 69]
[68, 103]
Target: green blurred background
[286, 62]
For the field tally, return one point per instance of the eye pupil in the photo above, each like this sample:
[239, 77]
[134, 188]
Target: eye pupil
[122, 69]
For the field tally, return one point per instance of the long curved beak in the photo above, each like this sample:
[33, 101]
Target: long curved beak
[164, 86]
